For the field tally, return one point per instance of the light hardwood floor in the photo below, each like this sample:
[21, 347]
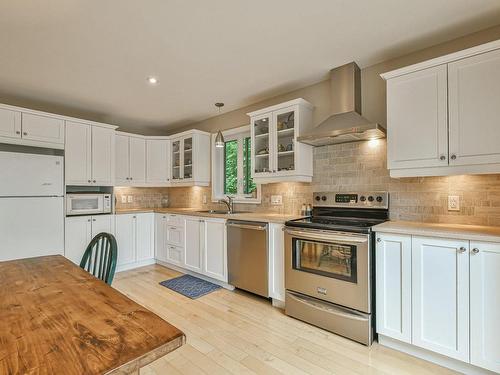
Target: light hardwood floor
[238, 333]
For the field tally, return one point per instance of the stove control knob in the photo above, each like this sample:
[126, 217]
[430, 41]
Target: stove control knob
[379, 199]
[323, 198]
[370, 199]
[362, 198]
[317, 198]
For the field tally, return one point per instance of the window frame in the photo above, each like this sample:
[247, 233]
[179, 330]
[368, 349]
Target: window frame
[218, 167]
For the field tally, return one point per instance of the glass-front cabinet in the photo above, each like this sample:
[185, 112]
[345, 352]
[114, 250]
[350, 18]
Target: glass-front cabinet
[276, 154]
[190, 164]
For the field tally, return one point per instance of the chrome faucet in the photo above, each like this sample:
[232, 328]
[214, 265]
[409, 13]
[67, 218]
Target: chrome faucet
[229, 203]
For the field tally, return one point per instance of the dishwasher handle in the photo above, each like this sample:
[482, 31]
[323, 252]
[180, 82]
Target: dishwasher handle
[257, 226]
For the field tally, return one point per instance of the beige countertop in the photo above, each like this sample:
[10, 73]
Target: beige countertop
[457, 231]
[249, 216]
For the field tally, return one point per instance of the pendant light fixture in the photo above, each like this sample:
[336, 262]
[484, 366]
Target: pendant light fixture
[219, 138]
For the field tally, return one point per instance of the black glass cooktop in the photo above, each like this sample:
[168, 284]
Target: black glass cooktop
[359, 221]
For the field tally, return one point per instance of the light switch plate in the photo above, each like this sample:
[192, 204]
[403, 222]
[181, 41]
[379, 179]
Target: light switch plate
[124, 199]
[276, 200]
[130, 198]
[453, 203]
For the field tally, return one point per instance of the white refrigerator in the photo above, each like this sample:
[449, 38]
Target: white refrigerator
[31, 205]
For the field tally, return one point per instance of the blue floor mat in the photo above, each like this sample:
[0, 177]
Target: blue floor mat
[190, 286]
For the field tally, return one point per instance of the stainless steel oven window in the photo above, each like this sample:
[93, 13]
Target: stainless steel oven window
[325, 258]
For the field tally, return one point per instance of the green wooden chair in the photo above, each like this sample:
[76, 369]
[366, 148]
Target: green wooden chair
[100, 256]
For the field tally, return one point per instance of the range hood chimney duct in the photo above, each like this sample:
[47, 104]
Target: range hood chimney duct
[345, 123]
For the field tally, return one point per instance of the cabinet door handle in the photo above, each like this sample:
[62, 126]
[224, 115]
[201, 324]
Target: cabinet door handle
[88, 220]
[453, 157]
[89, 181]
[164, 217]
[379, 240]
[25, 133]
[134, 217]
[173, 228]
[94, 220]
[442, 157]
[94, 181]
[475, 250]
[18, 132]
[462, 249]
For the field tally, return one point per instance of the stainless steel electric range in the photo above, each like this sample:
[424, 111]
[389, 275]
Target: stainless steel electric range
[329, 263]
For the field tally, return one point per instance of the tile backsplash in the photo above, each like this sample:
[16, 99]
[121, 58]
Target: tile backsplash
[362, 166]
[353, 167]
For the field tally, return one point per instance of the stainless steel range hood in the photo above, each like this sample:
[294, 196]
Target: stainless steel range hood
[345, 123]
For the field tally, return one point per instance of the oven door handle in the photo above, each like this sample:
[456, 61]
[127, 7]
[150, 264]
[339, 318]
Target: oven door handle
[326, 236]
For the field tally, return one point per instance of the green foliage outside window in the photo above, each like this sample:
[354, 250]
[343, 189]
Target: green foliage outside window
[249, 185]
[231, 168]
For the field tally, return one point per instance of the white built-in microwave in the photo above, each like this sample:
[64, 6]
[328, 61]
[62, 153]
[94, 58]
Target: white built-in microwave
[88, 204]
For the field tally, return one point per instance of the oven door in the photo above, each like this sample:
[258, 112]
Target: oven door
[331, 266]
[84, 204]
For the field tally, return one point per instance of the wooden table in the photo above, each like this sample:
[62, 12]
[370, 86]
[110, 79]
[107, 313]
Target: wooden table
[55, 318]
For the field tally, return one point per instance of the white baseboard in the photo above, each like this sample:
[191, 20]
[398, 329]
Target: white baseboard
[131, 266]
[463, 367]
[189, 272]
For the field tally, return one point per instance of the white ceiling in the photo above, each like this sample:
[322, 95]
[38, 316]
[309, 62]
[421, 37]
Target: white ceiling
[93, 56]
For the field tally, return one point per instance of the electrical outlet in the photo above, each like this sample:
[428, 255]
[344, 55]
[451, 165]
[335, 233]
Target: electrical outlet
[276, 200]
[453, 203]
[130, 198]
[124, 199]
[204, 199]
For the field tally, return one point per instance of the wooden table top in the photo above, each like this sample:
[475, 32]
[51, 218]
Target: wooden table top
[55, 318]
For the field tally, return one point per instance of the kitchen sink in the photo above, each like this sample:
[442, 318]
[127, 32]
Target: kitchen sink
[221, 212]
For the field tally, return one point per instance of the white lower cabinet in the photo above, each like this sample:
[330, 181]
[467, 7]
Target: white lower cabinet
[485, 305]
[215, 249]
[193, 243]
[135, 239]
[441, 295]
[393, 284]
[80, 230]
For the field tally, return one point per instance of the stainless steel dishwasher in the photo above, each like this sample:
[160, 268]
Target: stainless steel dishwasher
[247, 256]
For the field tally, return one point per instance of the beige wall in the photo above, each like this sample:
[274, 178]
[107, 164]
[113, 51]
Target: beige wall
[373, 87]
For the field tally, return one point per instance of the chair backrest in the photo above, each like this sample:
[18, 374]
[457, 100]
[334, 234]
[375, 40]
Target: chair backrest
[100, 257]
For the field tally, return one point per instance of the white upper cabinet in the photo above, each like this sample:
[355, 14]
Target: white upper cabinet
[89, 154]
[137, 160]
[474, 104]
[122, 172]
[158, 162]
[485, 305]
[130, 157]
[103, 156]
[78, 155]
[31, 128]
[417, 112]
[190, 159]
[440, 296]
[393, 286]
[442, 115]
[276, 154]
[10, 123]
[42, 128]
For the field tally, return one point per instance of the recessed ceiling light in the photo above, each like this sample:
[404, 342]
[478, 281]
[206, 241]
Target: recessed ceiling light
[152, 80]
